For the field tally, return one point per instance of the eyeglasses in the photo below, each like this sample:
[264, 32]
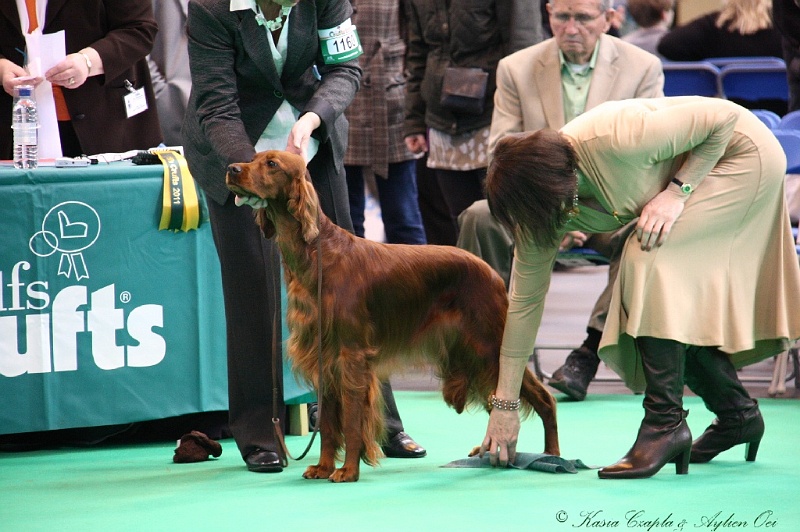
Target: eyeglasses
[581, 19]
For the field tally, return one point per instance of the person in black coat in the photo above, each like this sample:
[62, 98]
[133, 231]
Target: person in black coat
[742, 28]
[88, 85]
[786, 15]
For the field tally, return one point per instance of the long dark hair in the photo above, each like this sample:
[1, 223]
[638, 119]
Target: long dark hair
[530, 184]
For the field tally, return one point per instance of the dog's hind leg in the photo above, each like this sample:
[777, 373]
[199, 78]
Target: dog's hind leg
[330, 431]
[534, 393]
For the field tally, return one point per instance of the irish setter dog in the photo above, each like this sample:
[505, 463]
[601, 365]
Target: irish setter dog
[383, 306]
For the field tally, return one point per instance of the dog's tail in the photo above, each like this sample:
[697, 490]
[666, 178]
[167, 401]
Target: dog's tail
[535, 396]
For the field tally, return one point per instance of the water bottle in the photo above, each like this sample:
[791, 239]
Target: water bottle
[25, 123]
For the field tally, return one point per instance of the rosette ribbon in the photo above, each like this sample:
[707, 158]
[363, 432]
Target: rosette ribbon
[180, 206]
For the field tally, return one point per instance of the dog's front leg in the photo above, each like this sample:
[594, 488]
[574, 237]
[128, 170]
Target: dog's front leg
[330, 437]
[353, 408]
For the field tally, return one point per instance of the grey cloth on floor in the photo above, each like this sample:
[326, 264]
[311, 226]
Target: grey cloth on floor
[533, 461]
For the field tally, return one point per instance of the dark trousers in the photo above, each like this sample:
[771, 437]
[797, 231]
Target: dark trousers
[460, 189]
[397, 195]
[791, 55]
[250, 286]
[440, 228]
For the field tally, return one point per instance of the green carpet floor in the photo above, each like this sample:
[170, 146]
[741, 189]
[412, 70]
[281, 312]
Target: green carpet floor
[137, 487]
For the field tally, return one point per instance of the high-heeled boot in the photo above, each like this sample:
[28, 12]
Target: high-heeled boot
[663, 435]
[711, 375]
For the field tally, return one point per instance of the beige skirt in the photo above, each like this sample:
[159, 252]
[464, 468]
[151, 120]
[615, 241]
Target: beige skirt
[727, 275]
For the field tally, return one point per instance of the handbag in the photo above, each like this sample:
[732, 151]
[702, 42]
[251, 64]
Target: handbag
[464, 90]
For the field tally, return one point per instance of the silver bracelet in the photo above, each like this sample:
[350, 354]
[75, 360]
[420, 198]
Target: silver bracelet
[503, 404]
[88, 64]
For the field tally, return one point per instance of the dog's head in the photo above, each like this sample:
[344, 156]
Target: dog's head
[272, 180]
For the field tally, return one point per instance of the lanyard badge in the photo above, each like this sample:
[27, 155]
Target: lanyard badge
[340, 44]
[135, 100]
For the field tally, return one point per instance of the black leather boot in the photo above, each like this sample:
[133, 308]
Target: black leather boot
[663, 435]
[711, 375]
[574, 376]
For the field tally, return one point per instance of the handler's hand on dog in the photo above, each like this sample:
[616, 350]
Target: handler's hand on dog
[301, 134]
[657, 218]
[501, 437]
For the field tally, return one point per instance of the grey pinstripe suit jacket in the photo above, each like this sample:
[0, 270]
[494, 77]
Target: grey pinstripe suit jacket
[236, 88]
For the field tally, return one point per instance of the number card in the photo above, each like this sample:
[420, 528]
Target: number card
[340, 44]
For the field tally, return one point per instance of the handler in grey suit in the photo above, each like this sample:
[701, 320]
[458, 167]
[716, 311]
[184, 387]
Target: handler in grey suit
[545, 86]
[253, 88]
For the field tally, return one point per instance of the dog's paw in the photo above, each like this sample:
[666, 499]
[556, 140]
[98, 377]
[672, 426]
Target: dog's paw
[552, 450]
[344, 474]
[317, 472]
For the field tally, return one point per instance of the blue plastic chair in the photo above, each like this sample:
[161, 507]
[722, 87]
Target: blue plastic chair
[690, 78]
[790, 142]
[579, 256]
[770, 118]
[754, 82]
[761, 59]
[790, 121]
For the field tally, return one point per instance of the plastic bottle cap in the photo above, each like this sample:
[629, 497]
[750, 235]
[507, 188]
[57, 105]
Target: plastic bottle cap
[25, 90]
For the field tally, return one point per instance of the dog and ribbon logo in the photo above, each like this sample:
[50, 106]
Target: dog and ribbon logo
[70, 228]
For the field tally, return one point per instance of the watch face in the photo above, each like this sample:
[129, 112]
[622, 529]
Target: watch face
[686, 188]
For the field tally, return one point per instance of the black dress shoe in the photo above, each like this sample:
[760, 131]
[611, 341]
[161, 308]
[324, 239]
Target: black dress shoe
[401, 445]
[313, 415]
[261, 461]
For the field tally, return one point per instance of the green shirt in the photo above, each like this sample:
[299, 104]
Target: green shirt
[575, 81]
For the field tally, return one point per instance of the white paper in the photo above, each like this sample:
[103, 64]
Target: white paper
[44, 52]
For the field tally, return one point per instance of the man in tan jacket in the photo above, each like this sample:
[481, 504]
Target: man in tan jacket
[546, 86]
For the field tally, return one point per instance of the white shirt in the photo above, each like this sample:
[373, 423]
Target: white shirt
[276, 134]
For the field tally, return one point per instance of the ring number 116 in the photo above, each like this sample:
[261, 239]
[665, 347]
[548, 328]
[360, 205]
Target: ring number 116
[340, 44]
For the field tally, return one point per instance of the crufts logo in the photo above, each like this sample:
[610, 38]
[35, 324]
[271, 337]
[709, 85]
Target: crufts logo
[54, 327]
[69, 227]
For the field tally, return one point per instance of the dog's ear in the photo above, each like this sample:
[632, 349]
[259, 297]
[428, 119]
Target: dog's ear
[266, 225]
[304, 204]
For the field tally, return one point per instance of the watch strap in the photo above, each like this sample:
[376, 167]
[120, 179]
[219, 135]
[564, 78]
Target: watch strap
[686, 188]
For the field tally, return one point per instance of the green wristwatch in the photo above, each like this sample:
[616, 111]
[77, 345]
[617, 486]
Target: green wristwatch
[686, 188]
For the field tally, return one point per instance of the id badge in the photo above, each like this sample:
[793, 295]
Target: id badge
[340, 44]
[135, 100]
